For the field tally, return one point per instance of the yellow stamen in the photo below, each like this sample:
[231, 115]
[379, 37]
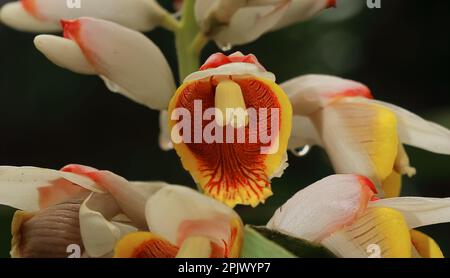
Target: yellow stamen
[229, 100]
[195, 247]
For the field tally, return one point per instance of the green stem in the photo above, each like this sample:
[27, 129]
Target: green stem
[170, 23]
[188, 41]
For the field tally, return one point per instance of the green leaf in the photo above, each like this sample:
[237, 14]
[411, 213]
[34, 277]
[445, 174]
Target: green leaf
[257, 246]
[261, 242]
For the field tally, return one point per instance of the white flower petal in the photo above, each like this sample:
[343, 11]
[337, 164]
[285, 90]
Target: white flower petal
[140, 15]
[30, 188]
[248, 24]
[129, 62]
[64, 53]
[234, 69]
[418, 132]
[190, 213]
[419, 211]
[15, 16]
[98, 234]
[130, 197]
[301, 10]
[308, 93]
[238, 21]
[323, 207]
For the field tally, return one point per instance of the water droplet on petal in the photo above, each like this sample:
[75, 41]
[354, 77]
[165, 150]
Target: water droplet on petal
[302, 151]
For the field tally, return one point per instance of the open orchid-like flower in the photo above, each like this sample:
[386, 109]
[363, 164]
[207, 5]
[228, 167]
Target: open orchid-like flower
[185, 223]
[96, 209]
[44, 15]
[360, 135]
[230, 123]
[232, 22]
[341, 213]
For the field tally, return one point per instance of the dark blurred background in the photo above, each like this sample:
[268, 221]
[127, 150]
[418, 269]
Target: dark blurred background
[50, 117]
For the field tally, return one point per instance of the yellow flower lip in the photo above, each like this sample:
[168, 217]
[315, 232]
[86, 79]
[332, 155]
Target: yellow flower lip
[193, 245]
[144, 245]
[237, 170]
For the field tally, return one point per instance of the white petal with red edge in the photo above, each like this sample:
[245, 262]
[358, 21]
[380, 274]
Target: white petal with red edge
[128, 61]
[15, 16]
[308, 93]
[140, 15]
[418, 211]
[418, 132]
[130, 196]
[64, 53]
[236, 21]
[30, 188]
[190, 213]
[323, 207]
[100, 235]
[301, 10]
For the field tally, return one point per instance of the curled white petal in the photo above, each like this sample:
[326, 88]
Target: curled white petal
[308, 93]
[321, 208]
[128, 61]
[30, 188]
[419, 211]
[44, 15]
[187, 210]
[64, 53]
[301, 10]
[100, 235]
[418, 132]
[238, 21]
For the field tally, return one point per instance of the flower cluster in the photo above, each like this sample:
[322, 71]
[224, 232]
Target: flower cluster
[343, 215]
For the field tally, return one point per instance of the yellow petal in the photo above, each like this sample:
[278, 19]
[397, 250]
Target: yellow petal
[392, 185]
[425, 245]
[380, 232]
[359, 138]
[19, 218]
